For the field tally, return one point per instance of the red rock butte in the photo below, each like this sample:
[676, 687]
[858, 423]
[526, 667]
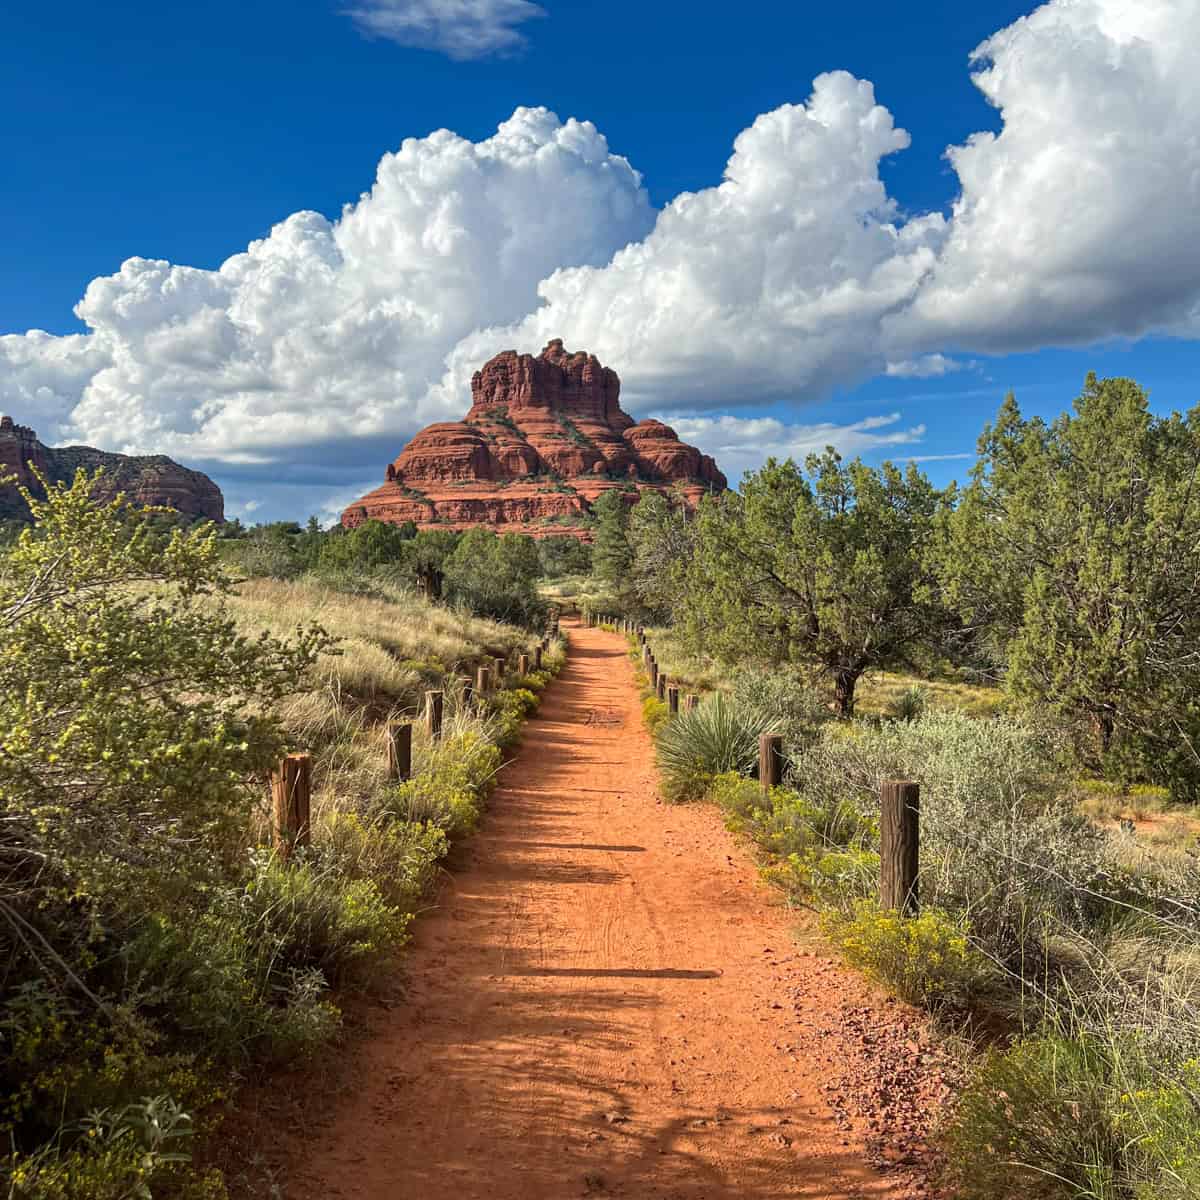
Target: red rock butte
[544, 438]
[153, 480]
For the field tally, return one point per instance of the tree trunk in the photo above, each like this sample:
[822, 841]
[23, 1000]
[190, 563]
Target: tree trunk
[844, 681]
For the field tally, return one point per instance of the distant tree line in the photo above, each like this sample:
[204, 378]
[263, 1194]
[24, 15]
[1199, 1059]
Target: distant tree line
[492, 575]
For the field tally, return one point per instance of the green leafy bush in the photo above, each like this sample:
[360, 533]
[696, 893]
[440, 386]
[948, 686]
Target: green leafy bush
[999, 838]
[400, 856]
[136, 1152]
[450, 789]
[790, 695]
[1083, 1117]
[655, 714]
[818, 853]
[925, 959]
[308, 915]
[698, 744]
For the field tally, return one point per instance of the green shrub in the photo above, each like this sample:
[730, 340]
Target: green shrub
[401, 857]
[450, 788]
[698, 744]
[797, 707]
[137, 1152]
[655, 714]
[999, 837]
[1084, 1117]
[818, 853]
[309, 915]
[510, 707]
[925, 959]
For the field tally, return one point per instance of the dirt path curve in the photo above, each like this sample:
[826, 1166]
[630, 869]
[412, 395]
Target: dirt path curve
[593, 1008]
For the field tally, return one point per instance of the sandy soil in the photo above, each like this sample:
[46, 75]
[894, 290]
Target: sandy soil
[607, 1003]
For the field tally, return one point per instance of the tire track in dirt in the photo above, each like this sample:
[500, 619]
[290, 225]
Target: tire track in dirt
[595, 1007]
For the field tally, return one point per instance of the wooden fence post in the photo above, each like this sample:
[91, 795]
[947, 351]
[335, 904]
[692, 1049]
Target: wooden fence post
[291, 793]
[770, 761]
[673, 700]
[899, 844]
[468, 692]
[523, 664]
[691, 701]
[660, 687]
[500, 664]
[537, 658]
[482, 681]
[433, 713]
[399, 751]
[653, 673]
[641, 635]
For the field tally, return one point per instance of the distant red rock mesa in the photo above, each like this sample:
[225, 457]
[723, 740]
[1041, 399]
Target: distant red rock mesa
[153, 480]
[544, 438]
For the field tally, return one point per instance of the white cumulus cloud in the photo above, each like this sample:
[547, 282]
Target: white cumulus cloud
[794, 273]
[742, 444]
[1080, 219]
[332, 330]
[462, 29]
[774, 283]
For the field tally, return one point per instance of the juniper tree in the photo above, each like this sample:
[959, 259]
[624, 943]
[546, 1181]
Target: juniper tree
[1075, 551]
[823, 565]
[661, 533]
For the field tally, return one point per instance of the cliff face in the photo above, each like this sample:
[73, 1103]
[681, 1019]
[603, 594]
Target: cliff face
[151, 480]
[543, 439]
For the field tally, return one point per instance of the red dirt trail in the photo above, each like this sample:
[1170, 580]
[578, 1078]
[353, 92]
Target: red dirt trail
[607, 1003]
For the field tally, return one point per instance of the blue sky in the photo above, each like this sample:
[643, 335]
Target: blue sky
[161, 132]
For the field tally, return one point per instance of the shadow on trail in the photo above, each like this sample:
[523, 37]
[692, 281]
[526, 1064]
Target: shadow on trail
[616, 973]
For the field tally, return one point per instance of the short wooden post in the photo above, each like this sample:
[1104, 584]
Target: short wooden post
[399, 751]
[545, 646]
[523, 664]
[660, 687]
[770, 761]
[433, 713]
[691, 701]
[291, 793]
[653, 673]
[641, 635]
[482, 681]
[673, 700]
[468, 692]
[499, 665]
[899, 844]
[537, 658]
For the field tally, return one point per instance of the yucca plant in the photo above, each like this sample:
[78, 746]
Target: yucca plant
[698, 744]
[912, 703]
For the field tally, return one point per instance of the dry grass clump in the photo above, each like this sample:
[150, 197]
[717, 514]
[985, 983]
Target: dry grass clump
[389, 649]
[692, 672]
